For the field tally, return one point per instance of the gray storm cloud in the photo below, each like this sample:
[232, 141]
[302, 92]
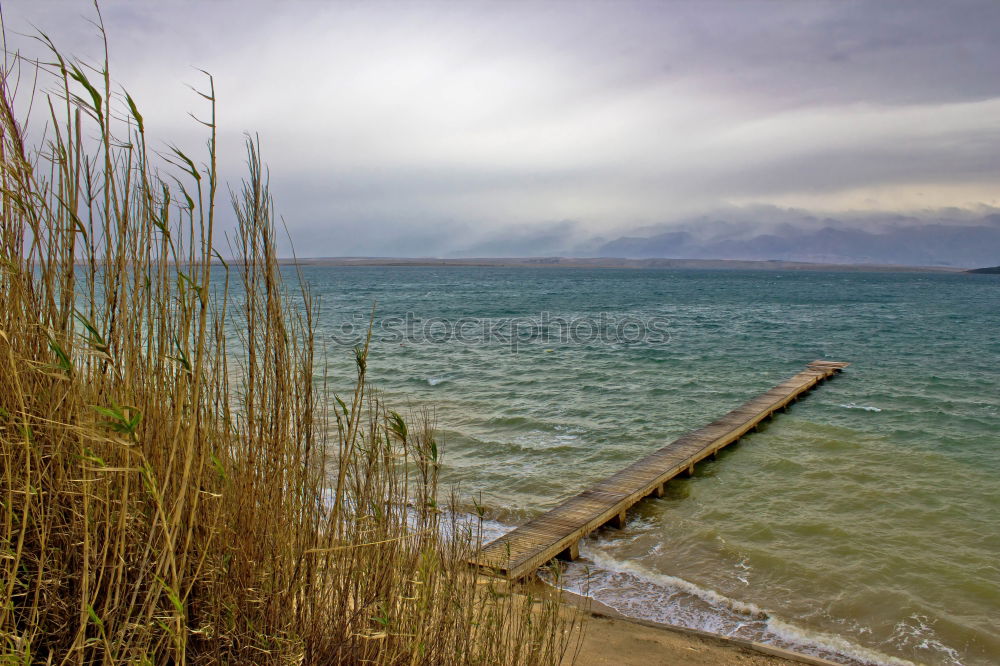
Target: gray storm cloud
[526, 128]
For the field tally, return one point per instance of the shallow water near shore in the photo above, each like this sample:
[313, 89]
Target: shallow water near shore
[862, 525]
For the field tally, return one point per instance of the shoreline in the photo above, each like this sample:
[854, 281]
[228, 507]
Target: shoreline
[612, 638]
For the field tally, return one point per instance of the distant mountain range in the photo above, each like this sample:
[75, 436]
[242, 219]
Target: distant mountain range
[930, 244]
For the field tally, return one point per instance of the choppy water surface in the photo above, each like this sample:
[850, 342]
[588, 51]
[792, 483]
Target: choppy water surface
[863, 524]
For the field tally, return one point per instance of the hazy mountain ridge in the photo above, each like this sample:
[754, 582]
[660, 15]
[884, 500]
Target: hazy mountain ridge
[929, 244]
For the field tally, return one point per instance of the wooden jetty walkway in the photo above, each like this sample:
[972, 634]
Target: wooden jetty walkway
[557, 533]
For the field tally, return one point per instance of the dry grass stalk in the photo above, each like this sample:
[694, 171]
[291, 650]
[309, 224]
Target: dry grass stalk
[173, 487]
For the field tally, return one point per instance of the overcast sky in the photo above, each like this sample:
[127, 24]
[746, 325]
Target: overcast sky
[425, 128]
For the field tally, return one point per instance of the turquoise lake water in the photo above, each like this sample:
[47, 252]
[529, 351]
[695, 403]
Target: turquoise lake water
[862, 525]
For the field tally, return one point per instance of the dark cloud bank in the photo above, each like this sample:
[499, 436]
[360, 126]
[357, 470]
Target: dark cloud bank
[812, 130]
[954, 238]
[935, 244]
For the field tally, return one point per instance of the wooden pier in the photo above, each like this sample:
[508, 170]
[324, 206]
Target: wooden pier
[557, 533]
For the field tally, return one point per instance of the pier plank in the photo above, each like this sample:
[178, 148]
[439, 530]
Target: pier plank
[557, 532]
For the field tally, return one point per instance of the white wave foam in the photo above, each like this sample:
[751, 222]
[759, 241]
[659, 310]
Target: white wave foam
[665, 580]
[810, 640]
[434, 381]
[652, 591]
[867, 408]
[918, 630]
[492, 529]
[733, 617]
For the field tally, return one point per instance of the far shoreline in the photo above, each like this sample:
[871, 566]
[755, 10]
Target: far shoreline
[621, 263]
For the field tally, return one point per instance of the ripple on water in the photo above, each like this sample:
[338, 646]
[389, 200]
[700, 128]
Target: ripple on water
[854, 529]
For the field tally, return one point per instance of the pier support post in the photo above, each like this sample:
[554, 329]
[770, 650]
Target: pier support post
[570, 553]
[618, 522]
[658, 491]
[689, 472]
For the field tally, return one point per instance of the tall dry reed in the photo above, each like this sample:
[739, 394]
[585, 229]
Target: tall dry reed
[177, 483]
